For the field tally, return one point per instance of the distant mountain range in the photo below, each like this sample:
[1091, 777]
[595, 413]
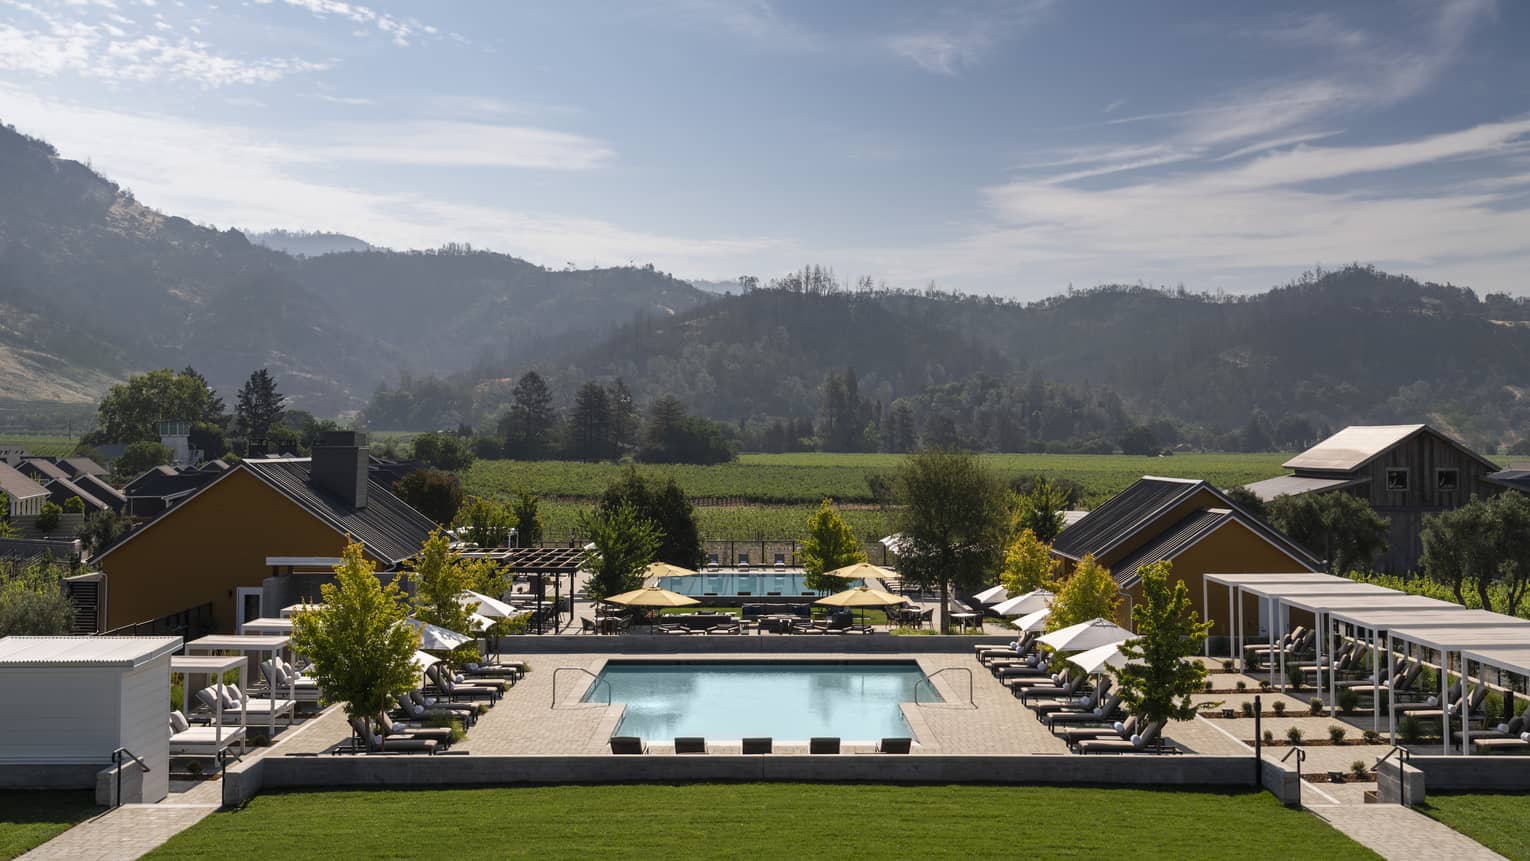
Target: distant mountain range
[306, 244]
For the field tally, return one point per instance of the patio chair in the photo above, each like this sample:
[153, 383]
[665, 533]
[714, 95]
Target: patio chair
[1107, 712]
[1431, 705]
[743, 561]
[514, 671]
[1123, 729]
[1016, 648]
[587, 625]
[391, 730]
[448, 686]
[1041, 668]
[1066, 690]
[712, 564]
[754, 746]
[1017, 683]
[1285, 643]
[410, 708]
[823, 745]
[1087, 703]
[627, 745]
[690, 744]
[376, 742]
[1146, 741]
[780, 560]
[895, 745]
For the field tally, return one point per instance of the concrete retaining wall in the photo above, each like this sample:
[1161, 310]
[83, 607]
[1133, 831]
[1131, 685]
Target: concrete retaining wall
[1397, 783]
[1460, 773]
[1282, 782]
[244, 781]
[633, 644]
[48, 776]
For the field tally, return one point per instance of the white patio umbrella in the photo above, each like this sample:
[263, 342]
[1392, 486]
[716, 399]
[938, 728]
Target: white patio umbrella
[1030, 602]
[491, 607]
[1100, 658]
[992, 595]
[424, 661]
[1085, 635]
[437, 638]
[1034, 621]
[895, 542]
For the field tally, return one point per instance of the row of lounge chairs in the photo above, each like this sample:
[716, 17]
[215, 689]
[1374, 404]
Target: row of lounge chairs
[628, 744]
[447, 695]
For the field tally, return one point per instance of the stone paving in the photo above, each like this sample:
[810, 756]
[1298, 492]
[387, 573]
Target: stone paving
[1396, 832]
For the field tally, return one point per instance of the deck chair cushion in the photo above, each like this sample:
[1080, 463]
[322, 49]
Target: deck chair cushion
[178, 722]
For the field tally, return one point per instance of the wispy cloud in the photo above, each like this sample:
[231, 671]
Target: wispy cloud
[1114, 106]
[461, 144]
[345, 100]
[402, 31]
[960, 36]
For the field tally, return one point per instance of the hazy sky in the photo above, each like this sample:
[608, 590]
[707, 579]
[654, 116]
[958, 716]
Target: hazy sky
[992, 147]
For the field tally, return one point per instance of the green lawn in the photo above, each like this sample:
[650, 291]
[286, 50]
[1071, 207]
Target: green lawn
[1496, 821]
[806, 821]
[29, 819]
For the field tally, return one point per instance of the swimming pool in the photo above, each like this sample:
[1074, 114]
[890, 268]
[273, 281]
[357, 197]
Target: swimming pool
[785, 700]
[734, 584]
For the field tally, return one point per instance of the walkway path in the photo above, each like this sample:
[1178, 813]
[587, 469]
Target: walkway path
[1396, 832]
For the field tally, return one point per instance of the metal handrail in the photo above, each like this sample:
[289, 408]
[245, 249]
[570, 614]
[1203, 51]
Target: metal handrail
[930, 681]
[117, 761]
[598, 682]
[1403, 755]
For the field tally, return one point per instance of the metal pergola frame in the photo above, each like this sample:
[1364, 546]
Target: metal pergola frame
[258, 644]
[1234, 584]
[187, 666]
[1511, 659]
[539, 562]
[1277, 594]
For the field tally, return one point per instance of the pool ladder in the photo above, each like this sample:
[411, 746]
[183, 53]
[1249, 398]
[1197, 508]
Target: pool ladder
[930, 680]
[598, 682]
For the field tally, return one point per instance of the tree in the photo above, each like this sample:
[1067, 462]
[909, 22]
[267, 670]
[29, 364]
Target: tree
[953, 522]
[362, 652]
[213, 410]
[1040, 509]
[443, 451]
[1161, 673]
[487, 523]
[528, 426]
[7, 529]
[438, 577]
[140, 457]
[1138, 439]
[589, 424]
[1343, 529]
[528, 523]
[1479, 545]
[32, 599]
[674, 437]
[101, 530]
[1249, 501]
[830, 544]
[667, 506]
[435, 494]
[131, 412]
[625, 542]
[74, 505]
[47, 521]
[1086, 594]
[259, 406]
[624, 419]
[1028, 564]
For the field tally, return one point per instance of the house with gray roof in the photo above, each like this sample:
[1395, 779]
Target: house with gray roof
[23, 494]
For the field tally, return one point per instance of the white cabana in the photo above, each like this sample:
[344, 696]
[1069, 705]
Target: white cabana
[1033, 621]
[1030, 602]
[1322, 607]
[1085, 635]
[1275, 594]
[895, 542]
[992, 595]
[214, 739]
[1508, 659]
[267, 625]
[1234, 584]
[255, 644]
[1101, 658]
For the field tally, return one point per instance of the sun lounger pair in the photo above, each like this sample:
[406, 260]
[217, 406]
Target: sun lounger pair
[1147, 741]
[1507, 729]
[189, 740]
[1067, 690]
[1291, 643]
[417, 705]
[1107, 712]
[1431, 707]
[1017, 682]
[450, 688]
[373, 740]
[1089, 702]
[235, 701]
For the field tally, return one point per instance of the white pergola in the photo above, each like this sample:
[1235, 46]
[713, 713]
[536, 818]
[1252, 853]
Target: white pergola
[1278, 595]
[267, 625]
[1510, 659]
[1234, 584]
[1443, 630]
[256, 644]
[207, 740]
[1323, 606]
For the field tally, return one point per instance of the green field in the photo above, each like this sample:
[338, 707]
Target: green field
[733, 523]
[28, 819]
[807, 478]
[41, 445]
[1495, 821]
[776, 820]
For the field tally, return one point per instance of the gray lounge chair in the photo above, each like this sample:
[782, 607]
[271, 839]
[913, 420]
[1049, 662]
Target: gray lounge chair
[1119, 730]
[1108, 712]
[690, 744]
[392, 730]
[1089, 702]
[1145, 742]
[823, 745]
[895, 745]
[1066, 690]
[376, 741]
[627, 744]
[757, 745]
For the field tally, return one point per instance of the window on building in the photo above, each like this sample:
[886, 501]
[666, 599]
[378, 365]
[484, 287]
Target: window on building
[1447, 479]
[1397, 478]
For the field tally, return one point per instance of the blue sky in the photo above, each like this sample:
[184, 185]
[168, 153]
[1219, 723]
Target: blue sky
[1003, 147]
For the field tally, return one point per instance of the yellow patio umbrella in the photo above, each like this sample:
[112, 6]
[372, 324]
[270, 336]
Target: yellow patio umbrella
[664, 569]
[860, 571]
[651, 596]
[863, 597]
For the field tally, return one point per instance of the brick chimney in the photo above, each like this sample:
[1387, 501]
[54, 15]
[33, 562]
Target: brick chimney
[339, 465]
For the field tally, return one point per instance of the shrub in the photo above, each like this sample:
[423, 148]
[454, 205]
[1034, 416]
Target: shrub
[1410, 730]
[1264, 685]
[1269, 736]
[194, 767]
[1280, 707]
[47, 521]
[1315, 705]
[1241, 686]
[1248, 709]
[1294, 735]
[1349, 700]
[1336, 733]
[74, 505]
[1250, 660]
[455, 725]
[1227, 665]
[1371, 736]
[1295, 677]
[1358, 769]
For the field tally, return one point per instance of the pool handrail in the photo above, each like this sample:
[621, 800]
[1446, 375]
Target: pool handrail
[929, 679]
[598, 682]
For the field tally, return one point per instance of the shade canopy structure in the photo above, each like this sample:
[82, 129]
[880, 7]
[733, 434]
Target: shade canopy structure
[490, 607]
[1511, 659]
[860, 571]
[216, 738]
[437, 638]
[1033, 621]
[424, 661]
[652, 596]
[1021, 605]
[894, 542]
[267, 625]
[1101, 658]
[291, 610]
[992, 595]
[1085, 636]
[862, 596]
[664, 569]
[254, 644]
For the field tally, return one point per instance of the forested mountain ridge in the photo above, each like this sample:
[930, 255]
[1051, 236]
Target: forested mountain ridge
[95, 285]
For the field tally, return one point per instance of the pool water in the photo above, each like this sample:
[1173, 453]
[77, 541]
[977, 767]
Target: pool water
[784, 700]
[735, 584]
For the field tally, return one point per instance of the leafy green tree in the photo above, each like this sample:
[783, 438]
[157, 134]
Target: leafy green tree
[1482, 544]
[1249, 501]
[362, 652]
[101, 530]
[7, 529]
[443, 451]
[528, 523]
[1161, 672]
[953, 521]
[1138, 439]
[1040, 507]
[830, 544]
[259, 406]
[486, 523]
[213, 411]
[438, 577]
[528, 425]
[1089, 592]
[1028, 564]
[74, 505]
[666, 505]
[131, 412]
[32, 599]
[625, 542]
[672, 436]
[433, 493]
[589, 424]
[1343, 529]
[140, 457]
[47, 521]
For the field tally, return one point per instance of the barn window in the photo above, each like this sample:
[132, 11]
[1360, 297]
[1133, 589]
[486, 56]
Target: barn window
[1447, 479]
[1397, 478]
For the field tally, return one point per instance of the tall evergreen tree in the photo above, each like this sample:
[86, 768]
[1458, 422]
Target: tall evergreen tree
[214, 413]
[624, 419]
[528, 426]
[260, 406]
[589, 424]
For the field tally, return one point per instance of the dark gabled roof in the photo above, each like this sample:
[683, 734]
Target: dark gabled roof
[61, 489]
[387, 525]
[45, 468]
[77, 466]
[163, 482]
[100, 489]
[1169, 543]
[1519, 479]
[218, 465]
[18, 484]
[149, 477]
[1123, 515]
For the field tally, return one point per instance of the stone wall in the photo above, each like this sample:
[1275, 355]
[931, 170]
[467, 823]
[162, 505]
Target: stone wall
[792, 644]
